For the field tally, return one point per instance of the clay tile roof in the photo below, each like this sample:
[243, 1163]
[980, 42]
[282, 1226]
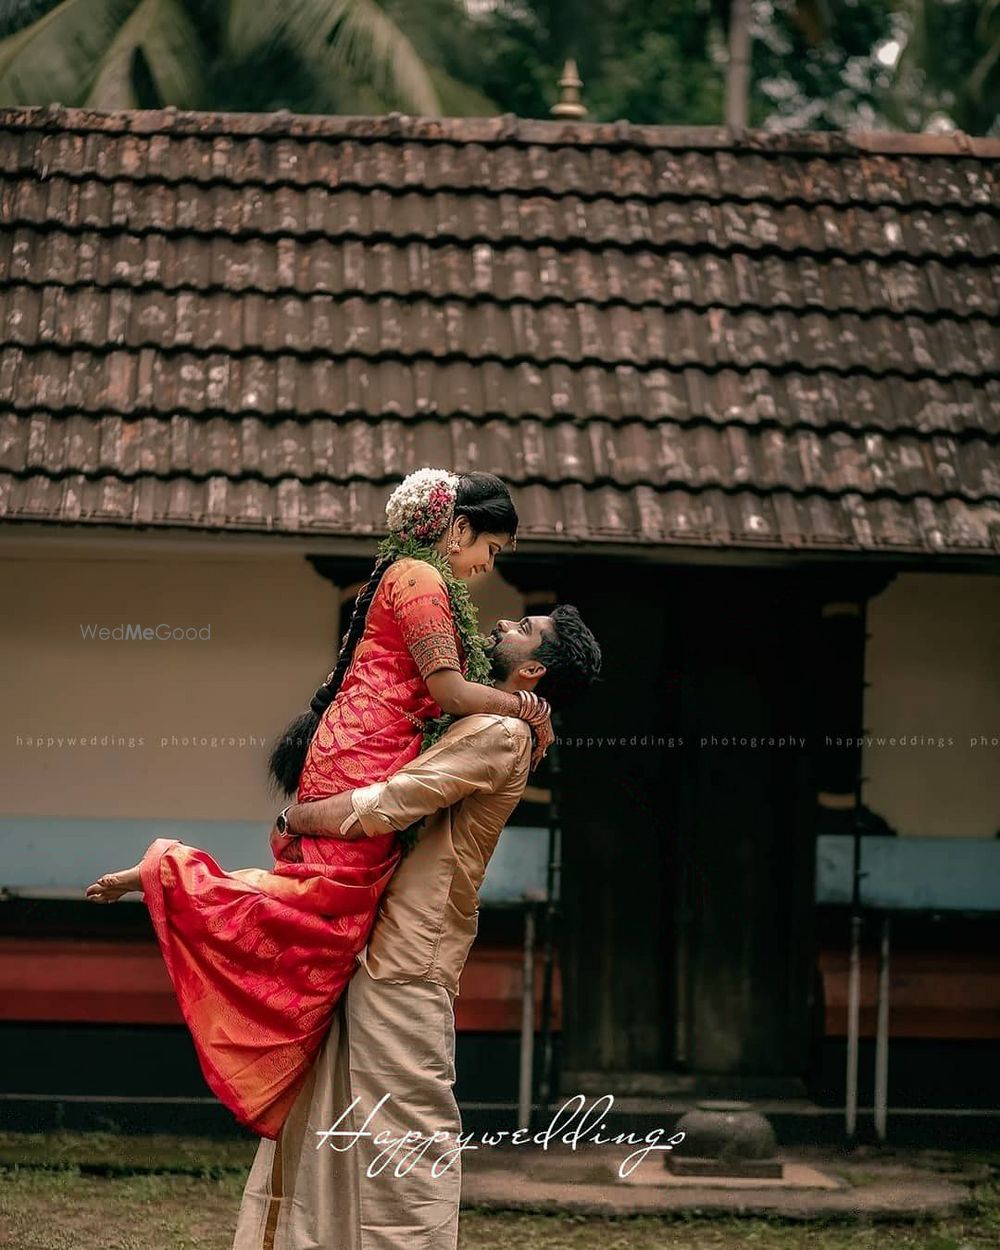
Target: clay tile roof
[658, 336]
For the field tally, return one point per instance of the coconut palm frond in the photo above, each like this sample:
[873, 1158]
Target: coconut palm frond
[990, 10]
[301, 21]
[380, 48]
[935, 77]
[988, 36]
[16, 14]
[915, 48]
[987, 64]
[360, 34]
[251, 24]
[460, 99]
[159, 43]
[900, 103]
[53, 60]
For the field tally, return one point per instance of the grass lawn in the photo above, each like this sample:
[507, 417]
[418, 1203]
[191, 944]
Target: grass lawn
[70, 1205]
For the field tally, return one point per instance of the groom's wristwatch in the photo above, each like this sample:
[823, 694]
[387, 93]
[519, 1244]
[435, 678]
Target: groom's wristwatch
[281, 822]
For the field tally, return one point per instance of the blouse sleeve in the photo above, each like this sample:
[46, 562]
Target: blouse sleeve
[419, 601]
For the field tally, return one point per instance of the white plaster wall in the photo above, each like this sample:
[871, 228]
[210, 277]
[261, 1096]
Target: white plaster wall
[196, 717]
[933, 661]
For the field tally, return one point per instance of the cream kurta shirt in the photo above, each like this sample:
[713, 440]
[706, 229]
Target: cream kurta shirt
[467, 785]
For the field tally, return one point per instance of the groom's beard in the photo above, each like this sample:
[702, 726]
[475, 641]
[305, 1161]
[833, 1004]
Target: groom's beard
[501, 666]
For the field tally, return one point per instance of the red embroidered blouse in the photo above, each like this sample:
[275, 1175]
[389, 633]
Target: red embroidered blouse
[365, 734]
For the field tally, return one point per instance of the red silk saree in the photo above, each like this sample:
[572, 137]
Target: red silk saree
[258, 959]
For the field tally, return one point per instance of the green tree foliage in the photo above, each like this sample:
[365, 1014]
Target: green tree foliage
[949, 67]
[645, 60]
[349, 56]
[816, 64]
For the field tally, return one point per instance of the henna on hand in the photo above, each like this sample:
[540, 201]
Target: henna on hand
[544, 738]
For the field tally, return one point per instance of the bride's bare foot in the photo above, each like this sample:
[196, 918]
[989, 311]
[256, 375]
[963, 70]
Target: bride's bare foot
[110, 887]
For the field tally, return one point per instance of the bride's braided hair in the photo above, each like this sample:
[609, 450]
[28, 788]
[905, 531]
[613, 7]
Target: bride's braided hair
[486, 502]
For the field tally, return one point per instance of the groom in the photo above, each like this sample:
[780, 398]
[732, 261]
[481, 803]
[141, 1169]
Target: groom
[388, 1065]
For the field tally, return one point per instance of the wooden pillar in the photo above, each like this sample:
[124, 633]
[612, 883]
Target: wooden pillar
[744, 829]
[769, 655]
[841, 600]
[615, 799]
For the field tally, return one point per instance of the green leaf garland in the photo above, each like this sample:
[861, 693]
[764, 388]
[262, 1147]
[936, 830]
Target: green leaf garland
[466, 618]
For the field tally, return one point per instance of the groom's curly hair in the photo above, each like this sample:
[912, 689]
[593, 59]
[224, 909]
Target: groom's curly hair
[571, 655]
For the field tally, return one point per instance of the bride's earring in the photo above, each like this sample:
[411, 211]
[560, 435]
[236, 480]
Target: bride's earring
[453, 547]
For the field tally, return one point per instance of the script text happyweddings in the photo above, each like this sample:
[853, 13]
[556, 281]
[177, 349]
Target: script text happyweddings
[410, 1147]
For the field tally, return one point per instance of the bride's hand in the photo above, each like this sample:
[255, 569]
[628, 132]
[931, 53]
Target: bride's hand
[544, 738]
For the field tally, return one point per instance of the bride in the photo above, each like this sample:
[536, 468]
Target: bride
[258, 959]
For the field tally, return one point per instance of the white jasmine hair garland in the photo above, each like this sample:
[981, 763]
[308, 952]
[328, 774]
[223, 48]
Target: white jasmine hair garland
[421, 506]
[418, 513]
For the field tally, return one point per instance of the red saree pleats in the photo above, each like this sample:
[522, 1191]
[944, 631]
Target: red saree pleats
[258, 961]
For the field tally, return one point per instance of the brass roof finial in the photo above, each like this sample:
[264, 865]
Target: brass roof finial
[570, 104]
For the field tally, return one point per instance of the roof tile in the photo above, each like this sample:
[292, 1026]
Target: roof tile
[660, 336]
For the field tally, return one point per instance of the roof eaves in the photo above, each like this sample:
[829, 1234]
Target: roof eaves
[503, 129]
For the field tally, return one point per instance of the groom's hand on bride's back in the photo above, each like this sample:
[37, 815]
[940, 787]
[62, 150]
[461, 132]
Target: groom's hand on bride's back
[284, 848]
[321, 818]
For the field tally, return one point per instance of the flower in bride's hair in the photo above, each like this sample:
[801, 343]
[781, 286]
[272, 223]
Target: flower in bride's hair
[422, 504]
